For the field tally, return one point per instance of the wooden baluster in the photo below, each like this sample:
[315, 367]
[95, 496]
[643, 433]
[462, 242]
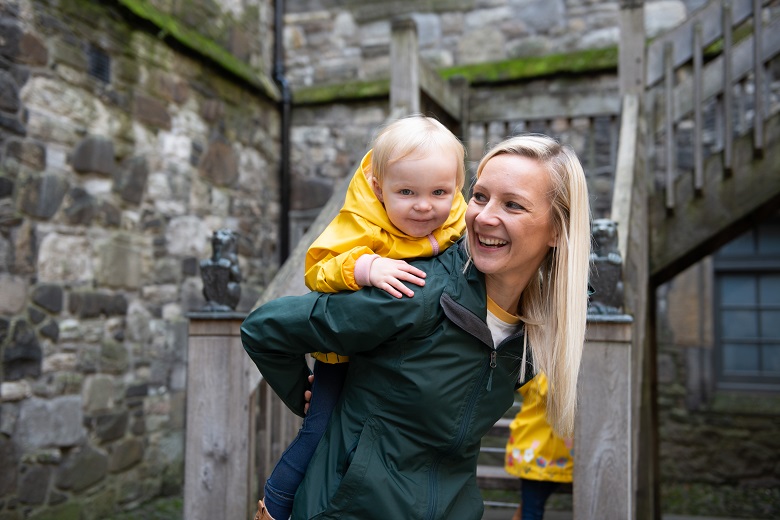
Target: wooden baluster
[728, 90]
[698, 119]
[758, 77]
[590, 156]
[669, 124]
[614, 132]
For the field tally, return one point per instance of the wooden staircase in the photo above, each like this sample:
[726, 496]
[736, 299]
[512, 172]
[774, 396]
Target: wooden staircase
[712, 136]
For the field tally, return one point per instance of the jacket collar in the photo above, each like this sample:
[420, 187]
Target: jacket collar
[464, 300]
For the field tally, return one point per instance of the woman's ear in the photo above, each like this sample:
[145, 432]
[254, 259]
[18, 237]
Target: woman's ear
[377, 189]
[554, 239]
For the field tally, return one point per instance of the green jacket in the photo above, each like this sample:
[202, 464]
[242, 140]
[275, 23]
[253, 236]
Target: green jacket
[424, 386]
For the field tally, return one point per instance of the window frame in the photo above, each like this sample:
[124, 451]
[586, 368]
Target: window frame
[753, 265]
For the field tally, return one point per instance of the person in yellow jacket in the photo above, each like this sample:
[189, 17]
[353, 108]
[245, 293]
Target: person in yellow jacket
[404, 201]
[535, 454]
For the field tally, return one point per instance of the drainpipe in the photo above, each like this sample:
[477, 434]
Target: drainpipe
[286, 108]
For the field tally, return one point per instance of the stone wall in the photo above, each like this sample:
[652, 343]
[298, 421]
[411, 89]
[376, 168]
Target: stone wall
[718, 449]
[331, 42]
[120, 153]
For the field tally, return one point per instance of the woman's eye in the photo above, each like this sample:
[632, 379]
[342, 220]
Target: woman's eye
[479, 197]
[514, 205]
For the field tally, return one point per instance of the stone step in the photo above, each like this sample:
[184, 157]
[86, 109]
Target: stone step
[494, 477]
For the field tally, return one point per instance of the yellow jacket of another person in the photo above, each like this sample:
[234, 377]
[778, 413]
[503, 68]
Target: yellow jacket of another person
[363, 228]
[534, 451]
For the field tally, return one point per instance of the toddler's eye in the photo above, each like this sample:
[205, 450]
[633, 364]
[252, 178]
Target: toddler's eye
[439, 193]
[405, 192]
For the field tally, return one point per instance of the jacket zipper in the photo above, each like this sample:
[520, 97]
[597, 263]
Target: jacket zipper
[493, 356]
[432, 480]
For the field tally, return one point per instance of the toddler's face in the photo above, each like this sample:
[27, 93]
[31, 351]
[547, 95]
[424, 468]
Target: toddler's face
[417, 192]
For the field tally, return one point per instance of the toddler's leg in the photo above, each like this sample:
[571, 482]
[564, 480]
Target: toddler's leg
[281, 486]
[533, 496]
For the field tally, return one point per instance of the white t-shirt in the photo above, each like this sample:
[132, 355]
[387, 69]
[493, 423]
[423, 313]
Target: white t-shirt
[501, 323]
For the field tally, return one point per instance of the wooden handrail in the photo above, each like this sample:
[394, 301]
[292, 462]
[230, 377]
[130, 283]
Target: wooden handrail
[711, 20]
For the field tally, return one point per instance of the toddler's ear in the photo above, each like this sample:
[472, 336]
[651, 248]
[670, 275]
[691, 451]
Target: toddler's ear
[377, 189]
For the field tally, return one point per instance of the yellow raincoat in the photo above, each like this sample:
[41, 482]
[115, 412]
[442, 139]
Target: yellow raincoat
[363, 228]
[534, 451]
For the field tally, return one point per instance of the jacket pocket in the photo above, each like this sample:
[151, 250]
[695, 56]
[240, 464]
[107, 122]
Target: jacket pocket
[352, 494]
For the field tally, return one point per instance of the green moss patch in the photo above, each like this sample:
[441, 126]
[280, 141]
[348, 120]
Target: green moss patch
[521, 69]
[171, 28]
[352, 91]
[582, 62]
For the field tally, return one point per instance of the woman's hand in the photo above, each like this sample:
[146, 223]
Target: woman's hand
[387, 274]
[307, 395]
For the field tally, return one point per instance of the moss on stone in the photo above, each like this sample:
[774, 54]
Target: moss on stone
[342, 91]
[580, 62]
[67, 511]
[160, 509]
[719, 501]
[171, 28]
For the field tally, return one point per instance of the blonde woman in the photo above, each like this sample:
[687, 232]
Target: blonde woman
[430, 374]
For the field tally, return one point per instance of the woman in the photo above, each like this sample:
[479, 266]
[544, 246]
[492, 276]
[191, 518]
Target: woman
[432, 373]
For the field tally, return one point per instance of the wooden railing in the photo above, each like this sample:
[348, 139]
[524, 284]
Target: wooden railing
[708, 87]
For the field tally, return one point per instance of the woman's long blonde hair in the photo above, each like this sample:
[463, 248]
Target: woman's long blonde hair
[554, 304]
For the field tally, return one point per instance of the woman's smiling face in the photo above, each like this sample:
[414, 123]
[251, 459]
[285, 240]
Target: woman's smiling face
[509, 219]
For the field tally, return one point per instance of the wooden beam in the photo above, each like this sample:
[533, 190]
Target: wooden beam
[440, 91]
[631, 52]
[502, 105]
[404, 66]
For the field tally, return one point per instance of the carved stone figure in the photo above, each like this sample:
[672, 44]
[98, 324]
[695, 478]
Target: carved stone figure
[607, 278]
[221, 273]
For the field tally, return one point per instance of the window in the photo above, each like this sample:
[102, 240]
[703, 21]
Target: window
[747, 310]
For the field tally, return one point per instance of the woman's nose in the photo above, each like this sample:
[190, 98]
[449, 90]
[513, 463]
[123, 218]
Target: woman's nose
[487, 215]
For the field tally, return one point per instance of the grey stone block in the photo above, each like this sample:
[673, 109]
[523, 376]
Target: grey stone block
[48, 296]
[219, 164]
[41, 196]
[23, 356]
[94, 154]
[130, 179]
[50, 422]
[83, 468]
[33, 484]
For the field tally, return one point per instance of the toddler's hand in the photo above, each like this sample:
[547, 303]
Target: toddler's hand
[307, 395]
[387, 274]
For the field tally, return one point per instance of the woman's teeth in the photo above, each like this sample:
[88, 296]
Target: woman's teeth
[492, 242]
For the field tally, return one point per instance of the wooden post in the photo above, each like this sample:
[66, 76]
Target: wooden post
[602, 465]
[218, 452]
[631, 51]
[404, 67]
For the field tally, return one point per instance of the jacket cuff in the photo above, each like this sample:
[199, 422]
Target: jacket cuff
[363, 269]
